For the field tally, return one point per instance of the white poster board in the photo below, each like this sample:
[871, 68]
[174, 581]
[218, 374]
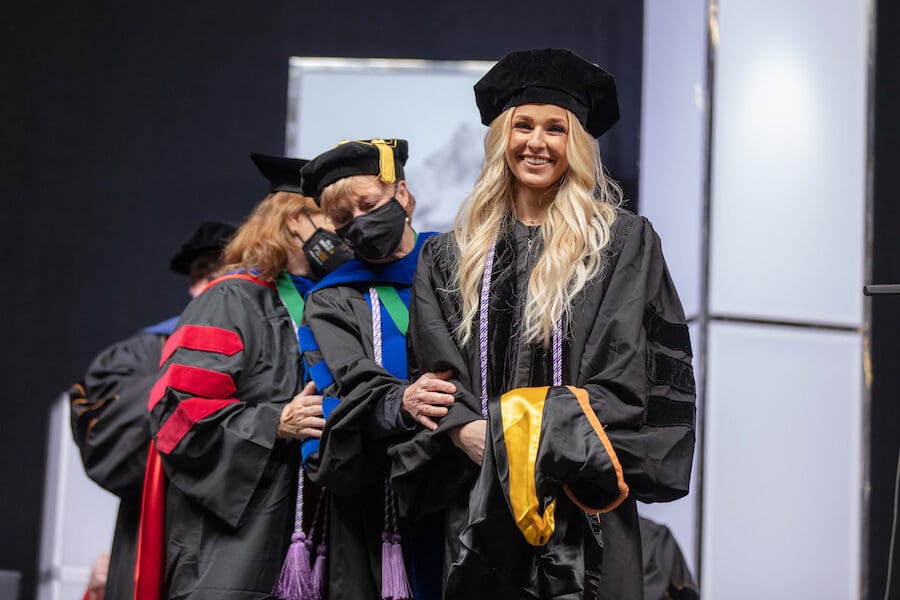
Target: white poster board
[79, 515]
[428, 103]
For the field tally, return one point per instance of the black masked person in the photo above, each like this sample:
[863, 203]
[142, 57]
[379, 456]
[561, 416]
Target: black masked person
[230, 406]
[356, 320]
[109, 408]
[555, 312]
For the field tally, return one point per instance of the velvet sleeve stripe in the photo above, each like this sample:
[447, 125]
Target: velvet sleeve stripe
[321, 375]
[307, 339]
[674, 336]
[201, 337]
[585, 404]
[665, 370]
[194, 381]
[665, 412]
[310, 445]
[188, 413]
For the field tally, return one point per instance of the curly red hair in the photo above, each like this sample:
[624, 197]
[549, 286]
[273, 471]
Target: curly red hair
[263, 241]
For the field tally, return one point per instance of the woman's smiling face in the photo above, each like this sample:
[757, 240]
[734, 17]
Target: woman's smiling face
[536, 150]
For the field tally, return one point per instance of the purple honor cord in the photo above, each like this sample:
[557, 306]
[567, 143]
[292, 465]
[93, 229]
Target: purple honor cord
[483, 332]
[376, 326]
[295, 579]
[483, 323]
[394, 582]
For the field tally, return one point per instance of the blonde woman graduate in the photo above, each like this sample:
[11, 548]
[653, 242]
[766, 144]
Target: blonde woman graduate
[554, 311]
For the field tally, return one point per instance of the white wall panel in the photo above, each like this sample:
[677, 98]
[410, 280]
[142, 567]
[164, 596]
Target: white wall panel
[79, 516]
[789, 160]
[437, 116]
[782, 481]
[672, 176]
[673, 136]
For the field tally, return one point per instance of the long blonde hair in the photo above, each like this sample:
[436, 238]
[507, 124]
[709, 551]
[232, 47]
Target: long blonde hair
[576, 230]
[263, 241]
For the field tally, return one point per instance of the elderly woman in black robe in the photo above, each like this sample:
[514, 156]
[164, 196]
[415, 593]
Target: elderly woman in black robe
[354, 340]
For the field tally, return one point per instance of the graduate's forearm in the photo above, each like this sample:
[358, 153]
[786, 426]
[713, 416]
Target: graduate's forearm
[470, 438]
[387, 417]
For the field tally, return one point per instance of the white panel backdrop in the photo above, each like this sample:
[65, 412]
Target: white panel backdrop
[783, 448]
[673, 136]
[789, 160]
[672, 179]
[782, 479]
[79, 516]
[782, 445]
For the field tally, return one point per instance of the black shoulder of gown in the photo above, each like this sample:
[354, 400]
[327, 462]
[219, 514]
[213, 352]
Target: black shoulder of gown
[109, 417]
[111, 427]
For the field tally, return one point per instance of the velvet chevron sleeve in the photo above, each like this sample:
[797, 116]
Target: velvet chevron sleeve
[228, 370]
[109, 413]
[636, 367]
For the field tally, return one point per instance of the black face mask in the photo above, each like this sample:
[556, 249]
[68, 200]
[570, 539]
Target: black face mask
[376, 235]
[325, 252]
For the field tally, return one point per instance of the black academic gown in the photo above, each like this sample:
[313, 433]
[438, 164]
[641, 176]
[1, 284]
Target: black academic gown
[230, 367]
[666, 574]
[627, 347]
[112, 430]
[351, 460]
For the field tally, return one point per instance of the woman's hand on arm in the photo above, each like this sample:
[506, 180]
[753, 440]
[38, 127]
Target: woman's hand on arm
[302, 418]
[428, 397]
[470, 439]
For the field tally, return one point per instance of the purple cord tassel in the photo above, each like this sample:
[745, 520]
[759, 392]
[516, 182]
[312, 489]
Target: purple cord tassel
[319, 572]
[387, 576]
[394, 585]
[295, 581]
[398, 583]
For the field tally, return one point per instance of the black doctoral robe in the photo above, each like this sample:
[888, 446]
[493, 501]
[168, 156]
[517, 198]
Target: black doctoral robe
[627, 347]
[111, 427]
[351, 460]
[230, 367]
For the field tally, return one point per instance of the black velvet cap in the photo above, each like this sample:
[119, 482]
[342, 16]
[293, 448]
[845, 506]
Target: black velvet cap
[550, 76]
[382, 157]
[283, 173]
[210, 236]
